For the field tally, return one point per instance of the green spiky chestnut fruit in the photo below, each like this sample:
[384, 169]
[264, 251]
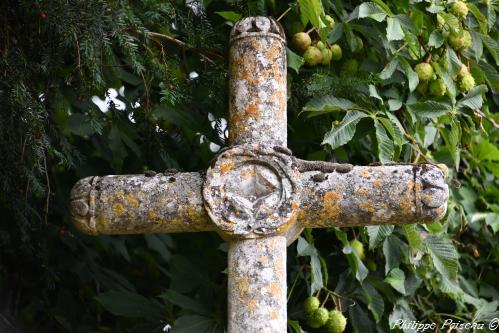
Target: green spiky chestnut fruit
[318, 318]
[463, 72]
[424, 71]
[422, 87]
[312, 56]
[311, 304]
[337, 52]
[327, 55]
[330, 21]
[358, 248]
[460, 9]
[460, 41]
[320, 45]
[350, 66]
[336, 322]
[360, 45]
[301, 41]
[437, 87]
[467, 83]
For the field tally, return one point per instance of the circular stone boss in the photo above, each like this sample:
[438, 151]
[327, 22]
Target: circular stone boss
[249, 192]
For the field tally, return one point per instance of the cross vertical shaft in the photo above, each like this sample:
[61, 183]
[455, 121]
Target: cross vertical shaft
[257, 266]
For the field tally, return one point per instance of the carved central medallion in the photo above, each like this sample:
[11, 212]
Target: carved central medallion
[250, 192]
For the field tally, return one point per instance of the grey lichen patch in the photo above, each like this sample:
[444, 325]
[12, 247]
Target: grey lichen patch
[257, 285]
[132, 204]
[251, 192]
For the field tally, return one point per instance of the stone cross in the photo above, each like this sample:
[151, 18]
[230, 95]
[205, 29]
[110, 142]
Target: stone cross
[255, 194]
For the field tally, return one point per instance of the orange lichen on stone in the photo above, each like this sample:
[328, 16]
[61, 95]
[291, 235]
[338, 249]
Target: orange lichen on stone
[226, 167]
[252, 305]
[361, 191]
[367, 206]
[274, 314]
[406, 207]
[377, 183]
[330, 202]
[118, 209]
[263, 259]
[132, 201]
[243, 286]
[426, 197]
[365, 173]
[252, 111]
[274, 289]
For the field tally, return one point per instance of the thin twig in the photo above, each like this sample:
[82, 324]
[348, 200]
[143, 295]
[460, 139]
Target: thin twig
[283, 14]
[146, 89]
[310, 30]
[47, 202]
[182, 44]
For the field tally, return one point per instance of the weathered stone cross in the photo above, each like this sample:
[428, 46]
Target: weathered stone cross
[256, 195]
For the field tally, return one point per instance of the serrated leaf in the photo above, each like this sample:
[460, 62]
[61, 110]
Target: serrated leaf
[473, 99]
[436, 39]
[412, 235]
[373, 92]
[477, 45]
[374, 300]
[398, 129]
[394, 251]
[344, 132]
[356, 265]
[372, 10]
[429, 109]
[412, 77]
[491, 75]
[328, 104]
[194, 323]
[385, 144]
[389, 69]
[448, 81]
[491, 16]
[492, 46]
[396, 279]
[304, 248]
[444, 255]
[377, 234]
[482, 20]
[155, 243]
[294, 60]
[453, 59]
[393, 29]
[394, 104]
[451, 22]
[184, 302]
[335, 34]
[311, 11]
[128, 304]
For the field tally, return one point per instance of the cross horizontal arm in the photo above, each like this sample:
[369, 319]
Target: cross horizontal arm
[132, 204]
[372, 195]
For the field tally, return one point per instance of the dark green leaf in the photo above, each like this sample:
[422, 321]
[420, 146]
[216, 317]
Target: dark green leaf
[429, 109]
[341, 134]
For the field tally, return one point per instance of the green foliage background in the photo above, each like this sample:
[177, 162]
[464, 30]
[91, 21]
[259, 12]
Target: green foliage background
[56, 55]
